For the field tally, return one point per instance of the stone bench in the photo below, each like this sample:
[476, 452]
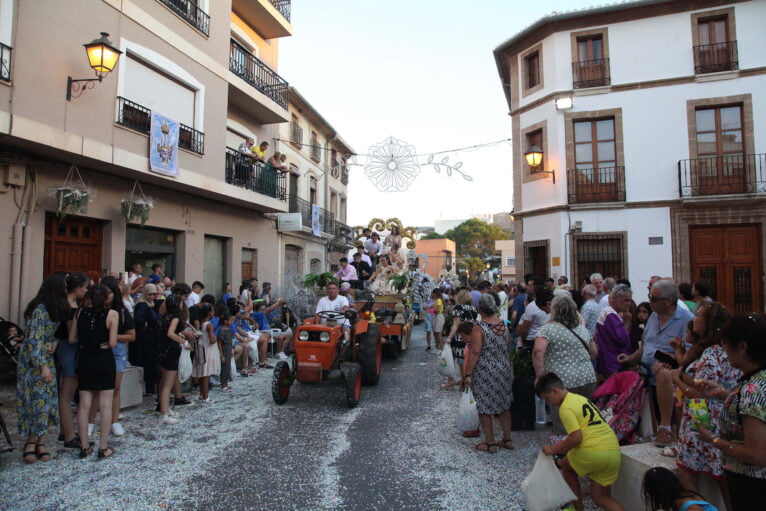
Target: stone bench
[636, 460]
[132, 387]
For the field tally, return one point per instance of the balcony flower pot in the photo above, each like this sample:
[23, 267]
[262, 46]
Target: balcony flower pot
[73, 196]
[136, 206]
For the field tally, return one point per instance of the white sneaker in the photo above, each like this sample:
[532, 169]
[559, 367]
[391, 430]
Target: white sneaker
[281, 356]
[206, 401]
[117, 429]
[167, 419]
[172, 413]
[91, 427]
[437, 352]
[120, 417]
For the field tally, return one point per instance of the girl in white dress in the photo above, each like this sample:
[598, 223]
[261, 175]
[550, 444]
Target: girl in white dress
[207, 358]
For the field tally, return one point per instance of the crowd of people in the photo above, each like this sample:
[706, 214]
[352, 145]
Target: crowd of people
[82, 332]
[705, 369]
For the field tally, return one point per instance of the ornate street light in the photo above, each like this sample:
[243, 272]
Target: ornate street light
[102, 57]
[534, 157]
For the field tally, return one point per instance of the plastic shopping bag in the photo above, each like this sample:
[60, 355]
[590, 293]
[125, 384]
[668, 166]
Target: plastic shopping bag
[545, 488]
[184, 366]
[233, 370]
[468, 415]
[447, 366]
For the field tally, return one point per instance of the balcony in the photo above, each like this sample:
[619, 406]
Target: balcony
[248, 67]
[296, 134]
[270, 18]
[139, 118]
[316, 151]
[304, 207]
[344, 237]
[191, 13]
[5, 62]
[590, 73]
[246, 172]
[714, 58]
[722, 175]
[344, 175]
[605, 184]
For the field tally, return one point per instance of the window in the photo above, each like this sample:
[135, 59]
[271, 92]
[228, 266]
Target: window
[535, 138]
[599, 253]
[249, 263]
[343, 206]
[510, 261]
[316, 151]
[595, 158]
[720, 165]
[715, 41]
[532, 63]
[333, 202]
[153, 89]
[296, 132]
[536, 257]
[591, 68]
[312, 189]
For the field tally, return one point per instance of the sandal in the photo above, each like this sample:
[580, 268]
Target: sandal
[42, 455]
[105, 453]
[506, 443]
[487, 447]
[84, 453]
[670, 451]
[29, 456]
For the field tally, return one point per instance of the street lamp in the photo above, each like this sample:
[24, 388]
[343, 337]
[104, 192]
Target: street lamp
[102, 57]
[534, 157]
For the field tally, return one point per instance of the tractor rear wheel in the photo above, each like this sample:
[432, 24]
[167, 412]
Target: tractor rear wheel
[353, 384]
[281, 382]
[370, 354]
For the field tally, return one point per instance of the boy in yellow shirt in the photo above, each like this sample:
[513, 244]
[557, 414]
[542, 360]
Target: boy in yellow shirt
[592, 449]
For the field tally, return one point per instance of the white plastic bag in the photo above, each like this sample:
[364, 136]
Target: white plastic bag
[468, 415]
[447, 365]
[184, 366]
[545, 488]
[233, 370]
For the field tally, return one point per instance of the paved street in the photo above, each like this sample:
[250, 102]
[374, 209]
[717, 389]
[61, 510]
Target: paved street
[399, 449]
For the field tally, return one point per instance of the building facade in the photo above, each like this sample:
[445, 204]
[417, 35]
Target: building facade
[507, 249]
[317, 181]
[440, 253]
[645, 121]
[211, 68]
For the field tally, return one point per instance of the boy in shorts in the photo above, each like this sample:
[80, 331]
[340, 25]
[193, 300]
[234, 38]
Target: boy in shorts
[591, 449]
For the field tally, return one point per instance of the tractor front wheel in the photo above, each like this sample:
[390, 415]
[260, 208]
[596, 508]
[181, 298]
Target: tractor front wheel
[353, 385]
[281, 382]
[370, 354]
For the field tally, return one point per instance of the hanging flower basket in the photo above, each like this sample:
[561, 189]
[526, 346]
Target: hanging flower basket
[136, 206]
[73, 196]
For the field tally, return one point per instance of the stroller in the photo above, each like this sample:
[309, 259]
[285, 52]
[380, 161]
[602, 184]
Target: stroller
[8, 342]
[620, 399]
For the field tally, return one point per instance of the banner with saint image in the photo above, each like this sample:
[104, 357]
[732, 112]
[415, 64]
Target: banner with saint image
[163, 145]
[315, 226]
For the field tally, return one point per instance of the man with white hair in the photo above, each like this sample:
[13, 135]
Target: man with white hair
[590, 308]
[597, 281]
[609, 284]
[612, 336]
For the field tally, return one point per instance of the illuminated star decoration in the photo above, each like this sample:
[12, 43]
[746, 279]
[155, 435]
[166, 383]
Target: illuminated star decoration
[392, 165]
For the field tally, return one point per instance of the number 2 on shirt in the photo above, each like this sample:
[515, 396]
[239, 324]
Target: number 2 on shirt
[591, 413]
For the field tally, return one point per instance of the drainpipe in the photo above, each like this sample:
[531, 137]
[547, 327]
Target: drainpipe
[26, 236]
[16, 247]
[327, 172]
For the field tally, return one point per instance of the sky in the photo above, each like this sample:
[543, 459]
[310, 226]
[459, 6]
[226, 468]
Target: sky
[423, 72]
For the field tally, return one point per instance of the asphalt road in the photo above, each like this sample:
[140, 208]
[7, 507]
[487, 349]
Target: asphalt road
[399, 449]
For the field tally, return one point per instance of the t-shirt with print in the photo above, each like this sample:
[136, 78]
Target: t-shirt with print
[566, 356]
[325, 304]
[577, 412]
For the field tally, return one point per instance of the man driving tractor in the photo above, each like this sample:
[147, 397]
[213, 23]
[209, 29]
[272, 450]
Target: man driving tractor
[335, 303]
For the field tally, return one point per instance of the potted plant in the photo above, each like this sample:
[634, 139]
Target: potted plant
[73, 196]
[399, 281]
[136, 206]
[320, 280]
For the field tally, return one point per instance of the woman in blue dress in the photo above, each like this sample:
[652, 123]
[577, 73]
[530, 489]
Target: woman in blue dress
[36, 393]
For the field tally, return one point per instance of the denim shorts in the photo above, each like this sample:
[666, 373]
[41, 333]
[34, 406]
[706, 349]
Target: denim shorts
[429, 322]
[66, 354]
[120, 353]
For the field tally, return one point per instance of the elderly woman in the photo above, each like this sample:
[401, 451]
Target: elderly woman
[742, 440]
[565, 347]
[488, 373]
[612, 334]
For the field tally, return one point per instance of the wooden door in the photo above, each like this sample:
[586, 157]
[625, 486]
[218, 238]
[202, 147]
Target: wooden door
[729, 259]
[72, 245]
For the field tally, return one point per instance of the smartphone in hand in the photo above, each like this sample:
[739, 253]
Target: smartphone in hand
[663, 357]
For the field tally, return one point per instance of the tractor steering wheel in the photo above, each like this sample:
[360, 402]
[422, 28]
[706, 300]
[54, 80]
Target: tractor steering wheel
[331, 315]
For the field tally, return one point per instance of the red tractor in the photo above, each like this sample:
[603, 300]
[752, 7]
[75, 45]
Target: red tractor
[321, 353]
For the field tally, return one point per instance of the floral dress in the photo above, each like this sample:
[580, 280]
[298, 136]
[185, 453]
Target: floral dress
[37, 401]
[693, 454]
[748, 398]
[491, 379]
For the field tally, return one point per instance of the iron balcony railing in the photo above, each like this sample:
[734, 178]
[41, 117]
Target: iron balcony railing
[244, 171]
[605, 184]
[190, 11]
[5, 62]
[139, 118]
[591, 73]
[251, 69]
[296, 134]
[316, 151]
[344, 233]
[344, 175]
[713, 58]
[283, 6]
[304, 207]
[722, 175]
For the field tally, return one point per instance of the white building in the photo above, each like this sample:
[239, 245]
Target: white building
[649, 117]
